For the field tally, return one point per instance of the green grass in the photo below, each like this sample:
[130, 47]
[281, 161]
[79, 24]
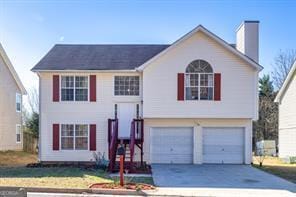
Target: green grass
[275, 166]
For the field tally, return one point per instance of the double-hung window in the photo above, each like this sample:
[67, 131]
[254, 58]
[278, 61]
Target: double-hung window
[126, 85]
[199, 81]
[74, 88]
[18, 133]
[18, 101]
[74, 137]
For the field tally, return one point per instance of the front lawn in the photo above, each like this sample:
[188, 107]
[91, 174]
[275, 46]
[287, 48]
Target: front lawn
[13, 172]
[275, 166]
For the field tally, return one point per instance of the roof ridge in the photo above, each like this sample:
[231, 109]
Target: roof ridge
[286, 83]
[112, 44]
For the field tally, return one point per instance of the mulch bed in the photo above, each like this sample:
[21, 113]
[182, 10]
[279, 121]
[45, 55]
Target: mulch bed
[137, 168]
[54, 165]
[127, 186]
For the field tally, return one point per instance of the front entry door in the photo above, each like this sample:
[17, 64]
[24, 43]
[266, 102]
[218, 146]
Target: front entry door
[126, 115]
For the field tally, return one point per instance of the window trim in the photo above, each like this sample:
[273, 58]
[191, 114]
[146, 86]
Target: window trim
[16, 98]
[126, 76]
[199, 86]
[74, 96]
[20, 133]
[74, 136]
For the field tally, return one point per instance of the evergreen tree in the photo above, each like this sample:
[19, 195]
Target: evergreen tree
[266, 128]
[265, 86]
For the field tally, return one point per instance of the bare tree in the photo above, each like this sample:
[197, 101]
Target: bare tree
[33, 100]
[282, 65]
[32, 114]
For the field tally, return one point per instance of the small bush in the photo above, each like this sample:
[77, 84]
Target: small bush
[101, 161]
[293, 160]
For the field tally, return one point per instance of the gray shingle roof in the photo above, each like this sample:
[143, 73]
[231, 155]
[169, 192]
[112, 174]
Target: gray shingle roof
[97, 57]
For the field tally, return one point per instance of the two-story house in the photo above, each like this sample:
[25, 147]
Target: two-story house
[192, 101]
[11, 91]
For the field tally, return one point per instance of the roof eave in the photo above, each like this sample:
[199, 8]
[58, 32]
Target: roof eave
[285, 84]
[85, 71]
[12, 70]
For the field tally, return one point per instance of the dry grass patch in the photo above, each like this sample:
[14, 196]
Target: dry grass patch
[16, 158]
[55, 177]
[275, 166]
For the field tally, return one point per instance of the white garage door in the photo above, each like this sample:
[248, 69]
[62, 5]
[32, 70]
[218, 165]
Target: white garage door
[171, 145]
[223, 145]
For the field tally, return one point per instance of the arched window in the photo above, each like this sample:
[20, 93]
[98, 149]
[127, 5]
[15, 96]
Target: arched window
[199, 81]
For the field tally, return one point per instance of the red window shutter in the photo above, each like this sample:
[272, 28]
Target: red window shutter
[92, 87]
[92, 136]
[180, 87]
[217, 88]
[55, 88]
[55, 137]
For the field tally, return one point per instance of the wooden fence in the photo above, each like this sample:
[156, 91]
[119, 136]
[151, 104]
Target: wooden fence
[30, 143]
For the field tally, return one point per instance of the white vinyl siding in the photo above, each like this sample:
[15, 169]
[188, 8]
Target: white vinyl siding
[238, 83]
[79, 113]
[287, 142]
[10, 109]
[287, 121]
[172, 145]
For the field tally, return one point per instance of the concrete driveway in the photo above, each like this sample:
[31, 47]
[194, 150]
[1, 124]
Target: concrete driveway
[225, 177]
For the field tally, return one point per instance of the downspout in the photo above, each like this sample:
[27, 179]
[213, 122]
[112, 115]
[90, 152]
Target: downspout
[141, 90]
[39, 126]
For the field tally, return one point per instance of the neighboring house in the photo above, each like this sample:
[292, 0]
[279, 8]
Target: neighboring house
[286, 98]
[193, 101]
[11, 91]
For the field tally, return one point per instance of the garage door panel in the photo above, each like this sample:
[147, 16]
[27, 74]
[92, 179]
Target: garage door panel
[171, 145]
[226, 159]
[172, 150]
[223, 149]
[223, 145]
[171, 140]
[169, 158]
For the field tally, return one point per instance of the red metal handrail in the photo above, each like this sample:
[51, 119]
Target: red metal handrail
[132, 141]
[136, 137]
[139, 127]
[113, 141]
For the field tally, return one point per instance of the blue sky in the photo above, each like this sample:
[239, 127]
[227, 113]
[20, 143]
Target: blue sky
[28, 29]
